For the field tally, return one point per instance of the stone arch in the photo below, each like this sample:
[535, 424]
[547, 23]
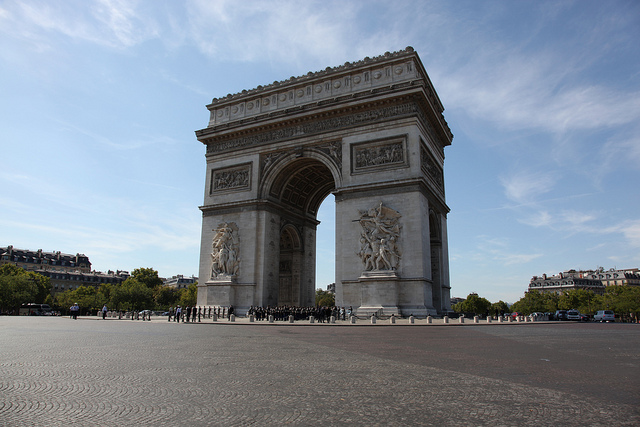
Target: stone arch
[373, 134]
[300, 181]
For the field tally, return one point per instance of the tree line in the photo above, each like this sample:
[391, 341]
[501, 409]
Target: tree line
[143, 290]
[623, 300]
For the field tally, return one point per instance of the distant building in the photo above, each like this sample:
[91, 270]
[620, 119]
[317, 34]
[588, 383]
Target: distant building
[590, 280]
[456, 300]
[64, 280]
[331, 288]
[180, 282]
[65, 271]
[40, 260]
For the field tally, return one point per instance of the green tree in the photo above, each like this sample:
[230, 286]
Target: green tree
[579, 299]
[15, 291]
[138, 295]
[623, 300]
[325, 298]
[85, 296]
[499, 308]
[533, 301]
[188, 297]
[165, 296]
[18, 286]
[147, 276]
[473, 304]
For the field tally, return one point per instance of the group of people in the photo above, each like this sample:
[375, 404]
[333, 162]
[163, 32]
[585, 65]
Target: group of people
[322, 314]
[279, 313]
[190, 314]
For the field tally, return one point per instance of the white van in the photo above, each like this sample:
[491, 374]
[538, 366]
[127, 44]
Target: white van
[604, 316]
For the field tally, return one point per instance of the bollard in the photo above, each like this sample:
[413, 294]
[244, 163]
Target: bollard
[353, 319]
[214, 317]
[412, 320]
[332, 319]
[500, 319]
[429, 319]
[446, 319]
[251, 318]
[461, 319]
[392, 319]
[476, 319]
[312, 319]
[373, 319]
[232, 318]
[271, 318]
[291, 318]
[489, 319]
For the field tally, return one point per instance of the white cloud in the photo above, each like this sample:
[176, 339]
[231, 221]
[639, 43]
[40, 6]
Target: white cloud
[113, 23]
[499, 250]
[278, 31]
[524, 186]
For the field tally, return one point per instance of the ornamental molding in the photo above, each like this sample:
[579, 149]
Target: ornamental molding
[367, 75]
[312, 127]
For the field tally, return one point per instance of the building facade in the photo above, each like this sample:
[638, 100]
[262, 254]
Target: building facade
[40, 260]
[65, 271]
[180, 282]
[591, 280]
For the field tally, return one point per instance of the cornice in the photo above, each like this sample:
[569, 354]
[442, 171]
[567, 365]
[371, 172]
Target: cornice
[367, 78]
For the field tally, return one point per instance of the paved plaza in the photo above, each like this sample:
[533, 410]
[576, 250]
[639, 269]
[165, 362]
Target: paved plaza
[56, 371]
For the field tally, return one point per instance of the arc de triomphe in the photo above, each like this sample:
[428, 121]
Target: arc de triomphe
[370, 132]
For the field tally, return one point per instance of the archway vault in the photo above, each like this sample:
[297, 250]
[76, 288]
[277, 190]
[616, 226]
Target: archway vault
[302, 184]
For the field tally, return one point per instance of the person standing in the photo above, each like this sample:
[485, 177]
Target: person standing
[74, 311]
[178, 313]
[104, 311]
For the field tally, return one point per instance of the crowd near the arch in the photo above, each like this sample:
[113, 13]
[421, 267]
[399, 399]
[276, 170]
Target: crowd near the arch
[279, 313]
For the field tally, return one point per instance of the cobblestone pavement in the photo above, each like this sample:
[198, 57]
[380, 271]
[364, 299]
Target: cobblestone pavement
[89, 372]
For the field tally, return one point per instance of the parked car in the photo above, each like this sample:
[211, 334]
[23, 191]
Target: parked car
[573, 315]
[604, 316]
[561, 315]
[584, 317]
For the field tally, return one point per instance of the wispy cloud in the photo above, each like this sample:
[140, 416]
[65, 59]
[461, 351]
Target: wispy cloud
[112, 23]
[524, 186]
[500, 250]
[278, 31]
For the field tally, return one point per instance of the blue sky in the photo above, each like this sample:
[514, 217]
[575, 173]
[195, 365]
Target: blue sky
[99, 101]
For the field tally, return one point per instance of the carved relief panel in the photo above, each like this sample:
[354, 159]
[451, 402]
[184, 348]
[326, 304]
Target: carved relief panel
[379, 249]
[231, 179]
[225, 250]
[388, 153]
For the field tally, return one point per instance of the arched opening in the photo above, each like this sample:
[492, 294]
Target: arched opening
[300, 187]
[326, 243]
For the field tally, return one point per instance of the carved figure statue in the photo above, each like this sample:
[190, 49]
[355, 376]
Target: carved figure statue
[378, 241]
[224, 254]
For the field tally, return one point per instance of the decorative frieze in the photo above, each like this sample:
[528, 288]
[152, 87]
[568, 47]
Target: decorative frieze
[318, 126]
[380, 154]
[234, 178]
[431, 169]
